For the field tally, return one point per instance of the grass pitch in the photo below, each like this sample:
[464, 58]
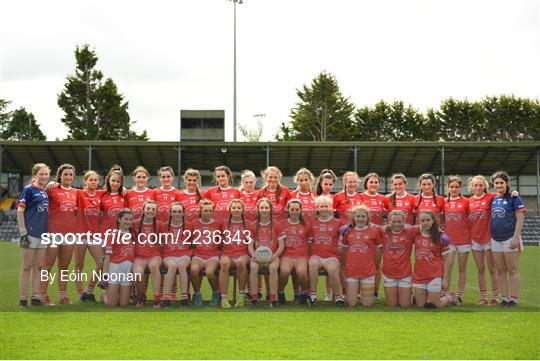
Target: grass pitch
[92, 331]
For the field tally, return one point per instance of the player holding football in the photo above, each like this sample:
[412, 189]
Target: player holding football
[264, 231]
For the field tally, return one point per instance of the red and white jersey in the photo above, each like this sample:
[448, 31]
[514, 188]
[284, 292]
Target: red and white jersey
[134, 200]
[308, 203]
[361, 247]
[378, 205]
[175, 240]
[191, 204]
[88, 211]
[480, 218]
[250, 201]
[428, 259]
[435, 204]
[120, 249]
[405, 203]
[325, 237]
[164, 199]
[295, 238]
[279, 204]
[221, 198]
[329, 195]
[235, 237]
[265, 235]
[147, 240]
[343, 202]
[456, 218]
[397, 249]
[62, 210]
[205, 238]
[111, 205]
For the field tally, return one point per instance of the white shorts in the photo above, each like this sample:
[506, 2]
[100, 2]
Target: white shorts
[460, 248]
[119, 273]
[504, 246]
[325, 260]
[435, 285]
[405, 282]
[205, 261]
[475, 246]
[177, 260]
[36, 242]
[367, 280]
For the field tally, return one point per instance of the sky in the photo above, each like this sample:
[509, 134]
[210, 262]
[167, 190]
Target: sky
[170, 55]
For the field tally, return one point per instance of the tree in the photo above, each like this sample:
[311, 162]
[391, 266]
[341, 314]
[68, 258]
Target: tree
[503, 118]
[322, 114]
[22, 126]
[511, 119]
[390, 122]
[459, 120]
[284, 133]
[4, 115]
[252, 135]
[93, 107]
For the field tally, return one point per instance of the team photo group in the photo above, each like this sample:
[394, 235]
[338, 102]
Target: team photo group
[351, 239]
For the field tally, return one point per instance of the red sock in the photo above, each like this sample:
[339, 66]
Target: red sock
[272, 297]
[254, 297]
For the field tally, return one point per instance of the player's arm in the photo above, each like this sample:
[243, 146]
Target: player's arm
[447, 262]
[251, 246]
[23, 233]
[520, 218]
[281, 247]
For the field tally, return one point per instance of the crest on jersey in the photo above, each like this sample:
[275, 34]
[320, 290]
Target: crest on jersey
[424, 254]
[324, 239]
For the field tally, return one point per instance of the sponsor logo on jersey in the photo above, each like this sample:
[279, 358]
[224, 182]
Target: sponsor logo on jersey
[324, 239]
[424, 254]
[92, 211]
[395, 249]
[498, 213]
[358, 247]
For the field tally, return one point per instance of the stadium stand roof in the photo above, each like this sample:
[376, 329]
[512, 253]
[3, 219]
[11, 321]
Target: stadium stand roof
[385, 158]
